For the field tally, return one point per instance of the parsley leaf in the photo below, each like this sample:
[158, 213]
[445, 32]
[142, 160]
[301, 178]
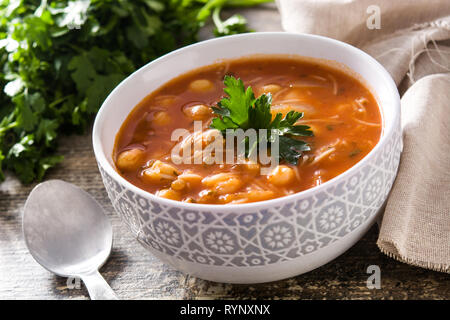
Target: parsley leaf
[233, 25]
[240, 110]
[291, 149]
[234, 110]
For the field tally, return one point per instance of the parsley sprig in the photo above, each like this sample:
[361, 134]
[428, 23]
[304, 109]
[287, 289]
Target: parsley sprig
[240, 109]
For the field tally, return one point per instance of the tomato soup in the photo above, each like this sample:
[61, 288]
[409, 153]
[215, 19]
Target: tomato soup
[340, 110]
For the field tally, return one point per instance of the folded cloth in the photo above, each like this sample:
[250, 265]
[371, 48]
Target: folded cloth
[411, 39]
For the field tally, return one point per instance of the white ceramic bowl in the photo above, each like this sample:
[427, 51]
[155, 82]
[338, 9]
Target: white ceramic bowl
[267, 240]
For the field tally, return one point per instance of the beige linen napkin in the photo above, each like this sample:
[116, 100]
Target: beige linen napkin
[411, 39]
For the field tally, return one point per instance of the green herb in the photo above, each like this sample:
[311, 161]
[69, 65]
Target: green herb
[241, 110]
[233, 25]
[330, 127]
[354, 153]
[60, 59]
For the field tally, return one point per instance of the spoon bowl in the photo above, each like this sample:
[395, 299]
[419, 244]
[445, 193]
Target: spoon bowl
[68, 233]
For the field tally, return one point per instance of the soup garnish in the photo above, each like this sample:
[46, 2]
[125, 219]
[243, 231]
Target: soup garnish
[283, 125]
[242, 111]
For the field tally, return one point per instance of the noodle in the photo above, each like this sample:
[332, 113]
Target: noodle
[367, 123]
[318, 77]
[335, 85]
[323, 155]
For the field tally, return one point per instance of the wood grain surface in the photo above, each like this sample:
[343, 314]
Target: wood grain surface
[134, 273]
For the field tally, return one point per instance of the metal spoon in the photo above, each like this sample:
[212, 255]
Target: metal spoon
[68, 233]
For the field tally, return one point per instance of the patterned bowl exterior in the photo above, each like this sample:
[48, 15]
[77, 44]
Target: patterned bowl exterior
[273, 234]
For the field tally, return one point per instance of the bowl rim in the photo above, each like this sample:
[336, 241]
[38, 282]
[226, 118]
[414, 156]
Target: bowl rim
[387, 131]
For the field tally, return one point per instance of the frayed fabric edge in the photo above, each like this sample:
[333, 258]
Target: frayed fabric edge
[402, 258]
[440, 24]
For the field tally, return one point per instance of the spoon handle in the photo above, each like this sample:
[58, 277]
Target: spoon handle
[97, 287]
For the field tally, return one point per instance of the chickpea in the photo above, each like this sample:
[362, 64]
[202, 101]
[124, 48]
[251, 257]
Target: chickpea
[178, 184]
[201, 85]
[206, 196]
[198, 112]
[161, 118]
[191, 179]
[160, 172]
[223, 183]
[130, 159]
[281, 175]
[169, 194]
[251, 167]
[213, 180]
[259, 195]
[229, 186]
[270, 88]
[165, 101]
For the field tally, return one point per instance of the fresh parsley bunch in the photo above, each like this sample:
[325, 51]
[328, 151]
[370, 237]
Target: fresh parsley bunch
[60, 59]
[241, 110]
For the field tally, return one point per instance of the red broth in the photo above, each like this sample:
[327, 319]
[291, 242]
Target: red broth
[341, 111]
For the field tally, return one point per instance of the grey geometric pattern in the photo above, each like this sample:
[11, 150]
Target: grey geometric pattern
[300, 226]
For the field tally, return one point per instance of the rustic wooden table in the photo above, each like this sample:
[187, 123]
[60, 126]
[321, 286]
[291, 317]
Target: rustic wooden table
[135, 274]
